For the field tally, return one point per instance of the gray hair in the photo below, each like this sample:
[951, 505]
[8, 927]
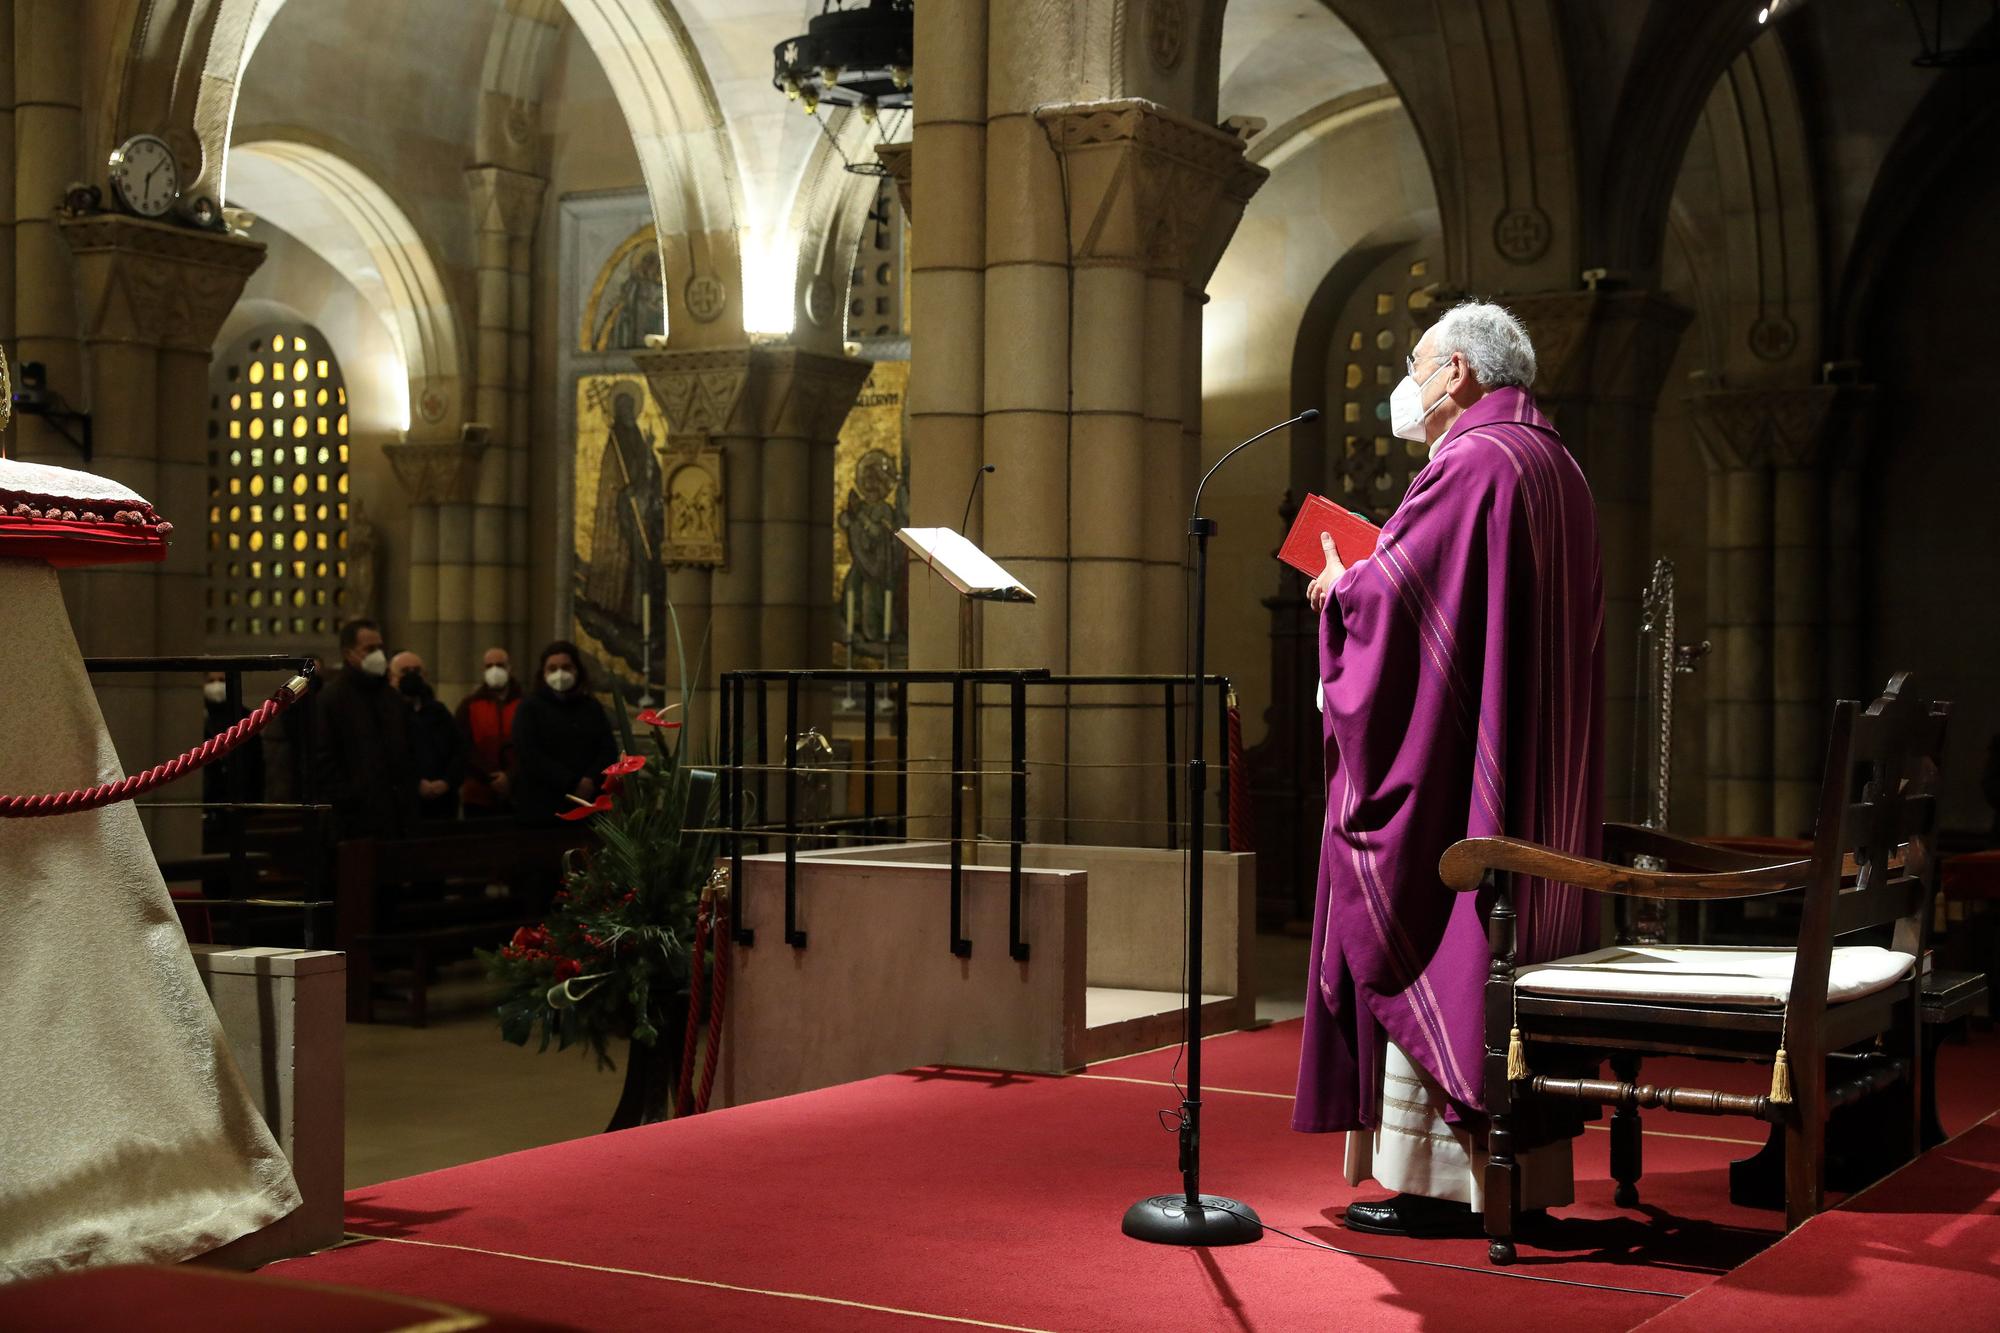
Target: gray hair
[1492, 342]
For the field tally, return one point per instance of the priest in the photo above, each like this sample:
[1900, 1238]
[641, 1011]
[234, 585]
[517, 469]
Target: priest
[1462, 695]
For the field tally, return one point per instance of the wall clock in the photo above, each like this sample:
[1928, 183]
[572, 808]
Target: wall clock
[144, 175]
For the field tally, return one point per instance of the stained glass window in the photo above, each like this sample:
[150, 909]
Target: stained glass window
[266, 447]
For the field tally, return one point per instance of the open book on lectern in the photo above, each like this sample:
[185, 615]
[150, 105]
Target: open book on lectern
[964, 566]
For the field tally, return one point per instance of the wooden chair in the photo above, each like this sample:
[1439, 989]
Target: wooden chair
[1836, 1023]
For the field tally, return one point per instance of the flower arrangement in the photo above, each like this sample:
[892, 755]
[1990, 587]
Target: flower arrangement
[611, 962]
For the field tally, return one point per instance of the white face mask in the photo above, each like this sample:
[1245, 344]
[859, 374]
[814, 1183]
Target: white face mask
[376, 663]
[496, 677]
[214, 691]
[1407, 412]
[560, 680]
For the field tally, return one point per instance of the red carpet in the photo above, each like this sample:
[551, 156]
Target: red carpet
[961, 1197]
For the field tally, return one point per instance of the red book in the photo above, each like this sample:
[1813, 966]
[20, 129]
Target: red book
[1353, 537]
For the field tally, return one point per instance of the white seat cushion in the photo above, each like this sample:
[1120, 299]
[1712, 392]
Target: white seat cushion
[1757, 977]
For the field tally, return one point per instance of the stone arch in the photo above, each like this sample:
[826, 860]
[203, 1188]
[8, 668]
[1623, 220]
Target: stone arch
[1743, 218]
[345, 216]
[829, 209]
[184, 60]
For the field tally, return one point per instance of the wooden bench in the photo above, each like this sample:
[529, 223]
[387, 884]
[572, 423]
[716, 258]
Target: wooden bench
[424, 898]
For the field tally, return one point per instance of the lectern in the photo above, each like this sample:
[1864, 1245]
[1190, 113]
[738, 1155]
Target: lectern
[978, 578]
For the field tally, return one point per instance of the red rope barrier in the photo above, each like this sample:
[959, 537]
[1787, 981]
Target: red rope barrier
[1241, 838]
[720, 938]
[684, 1091]
[110, 793]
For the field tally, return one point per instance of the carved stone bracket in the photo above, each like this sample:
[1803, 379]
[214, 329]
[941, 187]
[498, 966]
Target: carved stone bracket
[1151, 189]
[1762, 427]
[701, 392]
[157, 284]
[897, 157]
[1601, 345]
[505, 201]
[437, 473]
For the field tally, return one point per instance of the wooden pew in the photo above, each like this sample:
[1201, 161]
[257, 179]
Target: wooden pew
[424, 898]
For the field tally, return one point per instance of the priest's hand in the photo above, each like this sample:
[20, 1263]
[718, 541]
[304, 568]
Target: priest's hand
[1320, 590]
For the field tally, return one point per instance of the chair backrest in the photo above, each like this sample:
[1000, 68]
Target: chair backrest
[1878, 810]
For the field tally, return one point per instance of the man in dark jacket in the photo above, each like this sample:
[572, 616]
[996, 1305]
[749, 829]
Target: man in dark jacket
[434, 742]
[361, 742]
[237, 776]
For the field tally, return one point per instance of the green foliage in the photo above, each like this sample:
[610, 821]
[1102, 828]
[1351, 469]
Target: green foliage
[614, 953]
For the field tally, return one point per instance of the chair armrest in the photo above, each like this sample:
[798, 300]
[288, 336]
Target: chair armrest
[1628, 840]
[1464, 867]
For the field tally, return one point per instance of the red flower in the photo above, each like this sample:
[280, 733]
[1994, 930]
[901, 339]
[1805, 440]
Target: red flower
[582, 811]
[653, 718]
[625, 766]
[567, 968]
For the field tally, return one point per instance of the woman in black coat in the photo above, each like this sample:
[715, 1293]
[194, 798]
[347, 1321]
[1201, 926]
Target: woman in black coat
[562, 740]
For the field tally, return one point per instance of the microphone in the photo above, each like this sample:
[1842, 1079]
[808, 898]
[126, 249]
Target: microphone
[1310, 414]
[977, 477]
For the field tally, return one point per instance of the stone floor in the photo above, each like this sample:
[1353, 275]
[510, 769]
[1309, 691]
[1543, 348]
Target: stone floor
[419, 1099]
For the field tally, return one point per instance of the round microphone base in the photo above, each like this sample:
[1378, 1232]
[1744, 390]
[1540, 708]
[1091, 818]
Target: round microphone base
[1166, 1219]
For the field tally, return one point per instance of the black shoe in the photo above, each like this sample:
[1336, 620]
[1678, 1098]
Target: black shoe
[1413, 1215]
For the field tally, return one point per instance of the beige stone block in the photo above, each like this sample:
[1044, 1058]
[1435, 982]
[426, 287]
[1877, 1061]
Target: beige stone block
[948, 191]
[1798, 739]
[1799, 510]
[1746, 806]
[1795, 808]
[1106, 804]
[1031, 634]
[1109, 357]
[951, 40]
[423, 595]
[1107, 477]
[1798, 664]
[787, 480]
[1798, 583]
[785, 562]
[283, 1016]
[1023, 188]
[1746, 731]
[1104, 616]
[1025, 332]
[1747, 509]
[947, 366]
[1025, 502]
[734, 636]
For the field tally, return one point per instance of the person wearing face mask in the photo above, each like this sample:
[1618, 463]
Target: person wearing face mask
[486, 729]
[562, 739]
[362, 760]
[244, 765]
[1462, 678]
[435, 748]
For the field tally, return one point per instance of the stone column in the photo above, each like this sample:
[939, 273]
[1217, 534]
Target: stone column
[1153, 197]
[7, 200]
[505, 207]
[1602, 357]
[947, 176]
[773, 412]
[152, 298]
[46, 155]
[1767, 605]
[443, 478]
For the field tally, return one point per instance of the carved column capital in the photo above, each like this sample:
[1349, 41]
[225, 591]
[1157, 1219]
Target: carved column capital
[439, 472]
[155, 283]
[1762, 427]
[1601, 345]
[504, 200]
[1150, 188]
[701, 392]
[807, 395]
[896, 157]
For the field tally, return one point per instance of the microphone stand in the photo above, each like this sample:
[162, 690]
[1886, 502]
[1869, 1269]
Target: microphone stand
[1191, 1217]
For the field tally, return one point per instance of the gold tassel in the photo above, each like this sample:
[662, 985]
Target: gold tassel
[1517, 1056]
[1781, 1079]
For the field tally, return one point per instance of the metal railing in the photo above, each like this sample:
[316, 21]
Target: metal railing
[312, 905]
[746, 695]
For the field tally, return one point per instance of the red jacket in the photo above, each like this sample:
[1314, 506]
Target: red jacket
[486, 717]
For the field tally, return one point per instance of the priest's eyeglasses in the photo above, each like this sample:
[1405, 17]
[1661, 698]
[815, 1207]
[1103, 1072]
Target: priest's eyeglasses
[1410, 361]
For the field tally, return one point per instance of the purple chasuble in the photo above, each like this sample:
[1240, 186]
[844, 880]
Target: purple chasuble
[1463, 672]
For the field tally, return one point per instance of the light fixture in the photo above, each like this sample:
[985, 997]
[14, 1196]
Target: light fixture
[853, 56]
[1933, 45]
